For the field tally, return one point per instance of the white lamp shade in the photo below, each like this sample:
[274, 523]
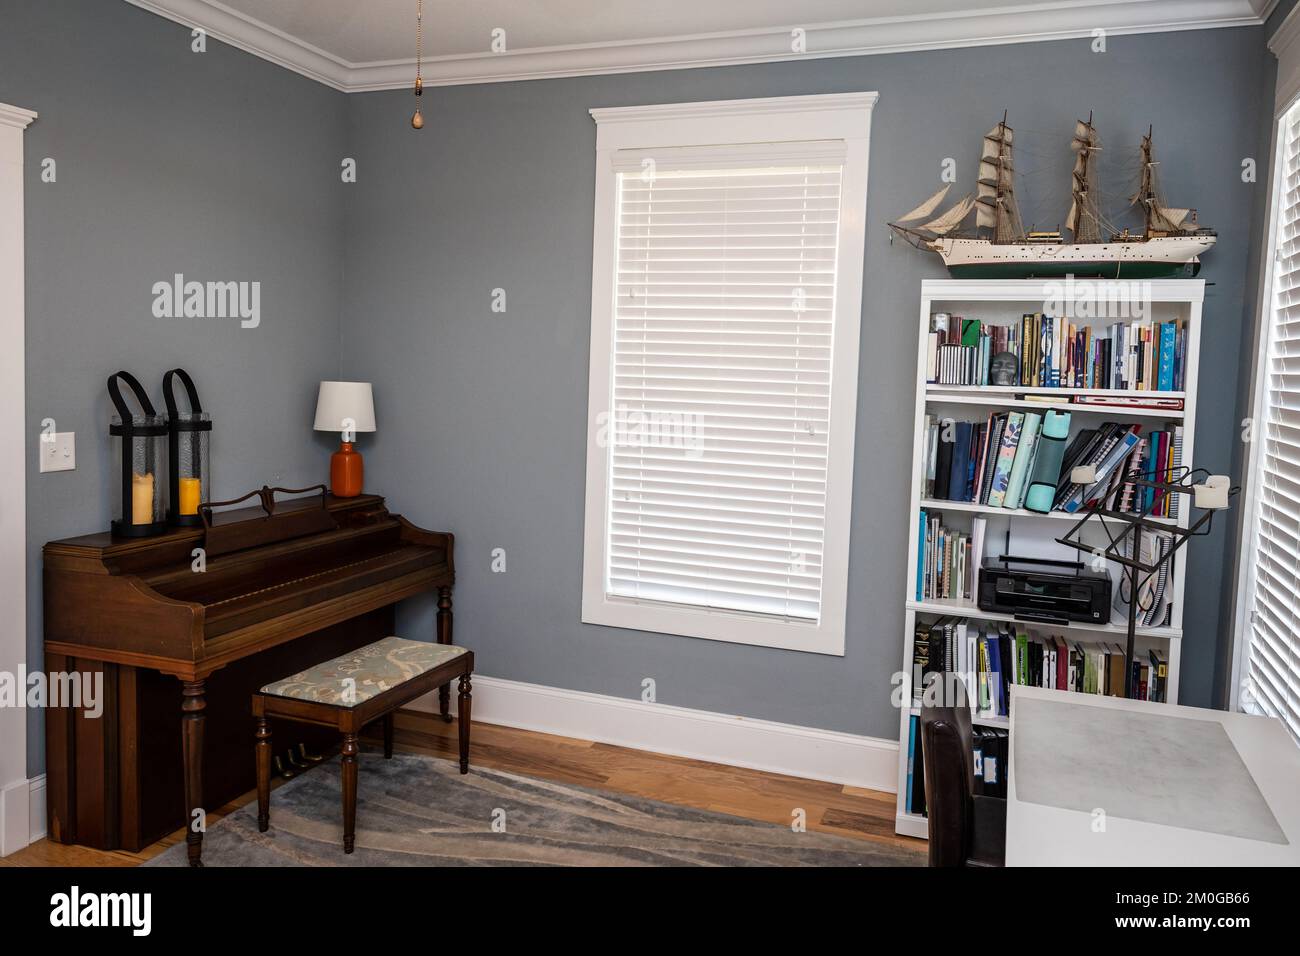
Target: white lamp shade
[337, 402]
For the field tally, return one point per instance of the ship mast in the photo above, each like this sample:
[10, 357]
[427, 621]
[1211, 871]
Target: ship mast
[995, 199]
[1084, 220]
[1160, 219]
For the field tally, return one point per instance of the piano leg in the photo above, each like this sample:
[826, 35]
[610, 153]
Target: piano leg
[192, 720]
[444, 637]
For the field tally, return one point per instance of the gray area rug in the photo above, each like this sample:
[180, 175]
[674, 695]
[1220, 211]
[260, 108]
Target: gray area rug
[415, 810]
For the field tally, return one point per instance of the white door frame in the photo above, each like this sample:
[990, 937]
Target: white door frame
[15, 822]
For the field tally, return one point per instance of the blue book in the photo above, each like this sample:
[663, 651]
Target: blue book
[1165, 379]
[995, 669]
[911, 757]
[959, 477]
[920, 559]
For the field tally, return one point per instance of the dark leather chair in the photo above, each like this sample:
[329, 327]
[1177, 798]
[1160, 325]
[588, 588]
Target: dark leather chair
[966, 828]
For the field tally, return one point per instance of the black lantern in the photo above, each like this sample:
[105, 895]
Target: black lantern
[138, 491]
[188, 435]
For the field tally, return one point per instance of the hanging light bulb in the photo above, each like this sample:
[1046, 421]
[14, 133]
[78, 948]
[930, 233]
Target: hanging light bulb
[417, 121]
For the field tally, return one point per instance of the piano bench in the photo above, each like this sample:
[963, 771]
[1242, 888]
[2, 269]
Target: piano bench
[348, 693]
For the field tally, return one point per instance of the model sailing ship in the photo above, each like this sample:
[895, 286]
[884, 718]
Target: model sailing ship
[999, 248]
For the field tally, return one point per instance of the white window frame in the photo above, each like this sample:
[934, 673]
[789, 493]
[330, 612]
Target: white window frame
[1285, 44]
[15, 823]
[841, 116]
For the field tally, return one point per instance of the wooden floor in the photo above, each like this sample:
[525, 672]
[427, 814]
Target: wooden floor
[829, 807]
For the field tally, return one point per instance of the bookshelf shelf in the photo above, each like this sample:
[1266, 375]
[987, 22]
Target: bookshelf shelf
[1109, 411]
[1030, 533]
[1002, 722]
[966, 609]
[935, 504]
[1135, 394]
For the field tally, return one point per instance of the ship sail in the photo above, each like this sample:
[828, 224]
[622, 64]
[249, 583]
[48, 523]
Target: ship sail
[1167, 218]
[951, 219]
[927, 207]
[1084, 220]
[995, 194]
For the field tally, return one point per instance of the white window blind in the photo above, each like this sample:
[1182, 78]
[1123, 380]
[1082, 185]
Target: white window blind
[1272, 675]
[724, 299]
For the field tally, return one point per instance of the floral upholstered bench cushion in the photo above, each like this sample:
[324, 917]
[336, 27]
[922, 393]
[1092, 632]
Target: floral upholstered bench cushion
[355, 677]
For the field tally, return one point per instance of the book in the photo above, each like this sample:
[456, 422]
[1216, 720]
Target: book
[989, 466]
[1165, 377]
[959, 478]
[943, 460]
[1006, 458]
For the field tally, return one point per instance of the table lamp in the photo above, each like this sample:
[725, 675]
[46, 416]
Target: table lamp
[348, 408]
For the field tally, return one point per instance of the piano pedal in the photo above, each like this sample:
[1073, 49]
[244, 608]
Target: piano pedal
[294, 761]
[310, 758]
[279, 769]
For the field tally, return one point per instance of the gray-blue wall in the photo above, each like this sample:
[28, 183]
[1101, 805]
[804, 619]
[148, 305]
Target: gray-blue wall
[217, 165]
[222, 166]
[482, 415]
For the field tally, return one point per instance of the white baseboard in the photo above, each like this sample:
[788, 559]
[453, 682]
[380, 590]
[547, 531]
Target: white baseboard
[15, 827]
[807, 752]
[22, 814]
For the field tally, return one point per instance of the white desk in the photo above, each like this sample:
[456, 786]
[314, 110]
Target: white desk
[1091, 776]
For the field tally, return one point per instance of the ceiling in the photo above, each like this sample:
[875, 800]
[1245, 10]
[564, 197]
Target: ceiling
[360, 45]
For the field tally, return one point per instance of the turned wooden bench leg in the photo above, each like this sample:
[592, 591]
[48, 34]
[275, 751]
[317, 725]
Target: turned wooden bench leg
[388, 736]
[263, 749]
[463, 703]
[349, 791]
[444, 637]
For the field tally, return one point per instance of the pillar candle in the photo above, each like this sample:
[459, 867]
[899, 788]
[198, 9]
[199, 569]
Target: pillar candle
[189, 492]
[142, 499]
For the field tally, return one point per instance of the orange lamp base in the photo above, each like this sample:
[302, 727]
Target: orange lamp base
[346, 471]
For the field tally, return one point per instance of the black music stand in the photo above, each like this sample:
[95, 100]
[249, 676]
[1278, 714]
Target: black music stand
[1180, 483]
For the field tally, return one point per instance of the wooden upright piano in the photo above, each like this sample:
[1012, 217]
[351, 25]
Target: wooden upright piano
[184, 636]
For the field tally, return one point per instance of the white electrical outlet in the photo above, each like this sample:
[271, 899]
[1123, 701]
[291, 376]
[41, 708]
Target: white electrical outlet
[58, 451]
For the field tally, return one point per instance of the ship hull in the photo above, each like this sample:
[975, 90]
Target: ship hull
[1159, 258]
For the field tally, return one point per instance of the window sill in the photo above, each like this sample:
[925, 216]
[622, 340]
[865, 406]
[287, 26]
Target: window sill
[734, 627]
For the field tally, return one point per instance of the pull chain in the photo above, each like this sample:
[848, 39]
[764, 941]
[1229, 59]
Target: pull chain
[417, 121]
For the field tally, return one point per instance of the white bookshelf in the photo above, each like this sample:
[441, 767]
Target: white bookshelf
[1003, 302]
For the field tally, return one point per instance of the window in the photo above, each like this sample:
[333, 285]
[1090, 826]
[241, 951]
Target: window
[1269, 628]
[726, 301]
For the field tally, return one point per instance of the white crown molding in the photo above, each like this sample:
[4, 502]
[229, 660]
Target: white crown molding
[253, 36]
[15, 117]
[788, 749]
[1056, 20]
